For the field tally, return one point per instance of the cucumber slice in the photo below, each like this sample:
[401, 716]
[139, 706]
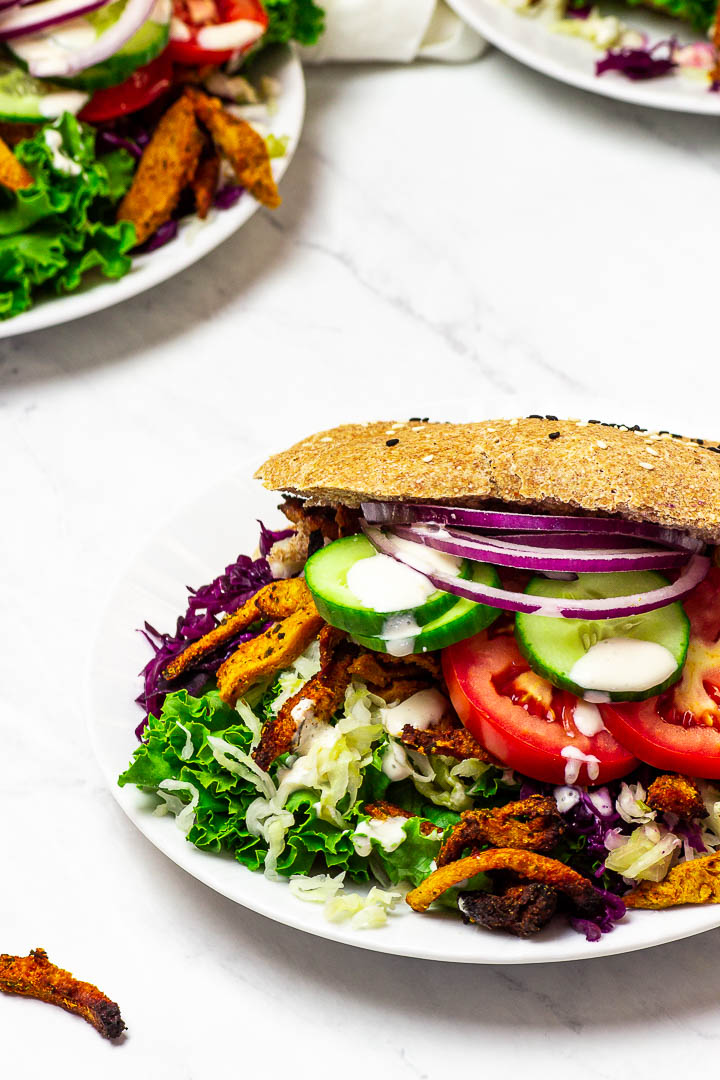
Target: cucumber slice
[25, 100]
[462, 620]
[554, 646]
[147, 43]
[326, 575]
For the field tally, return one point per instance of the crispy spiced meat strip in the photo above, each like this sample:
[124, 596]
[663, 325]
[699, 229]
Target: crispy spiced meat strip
[695, 882]
[270, 652]
[382, 810]
[679, 795]
[34, 976]
[168, 162]
[13, 174]
[244, 147]
[395, 679]
[450, 742]
[533, 824]
[274, 601]
[526, 864]
[204, 183]
[314, 703]
[521, 910]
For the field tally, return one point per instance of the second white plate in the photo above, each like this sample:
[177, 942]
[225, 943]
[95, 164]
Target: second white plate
[195, 238]
[571, 60]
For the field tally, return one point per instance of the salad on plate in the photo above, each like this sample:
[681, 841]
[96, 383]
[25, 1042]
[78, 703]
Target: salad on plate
[120, 117]
[478, 673]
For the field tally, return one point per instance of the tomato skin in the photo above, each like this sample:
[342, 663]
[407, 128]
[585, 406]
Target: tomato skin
[528, 743]
[190, 53]
[144, 86]
[691, 744]
[694, 751]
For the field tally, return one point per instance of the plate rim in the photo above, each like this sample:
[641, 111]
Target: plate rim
[200, 865]
[705, 104]
[149, 270]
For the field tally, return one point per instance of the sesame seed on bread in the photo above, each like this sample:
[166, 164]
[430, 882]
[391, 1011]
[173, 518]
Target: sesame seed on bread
[539, 462]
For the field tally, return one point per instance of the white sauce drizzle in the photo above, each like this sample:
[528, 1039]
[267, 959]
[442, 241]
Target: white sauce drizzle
[422, 710]
[60, 160]
[587, 719]
[574, 759]
[623, 665]
[384, 584]
[390, 834]
[395, 763]
[399, 633]
[566, 798]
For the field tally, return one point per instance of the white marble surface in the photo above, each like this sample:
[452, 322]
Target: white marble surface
[471, 231]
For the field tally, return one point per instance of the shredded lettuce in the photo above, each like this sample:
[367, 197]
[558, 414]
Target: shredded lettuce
[452, 782]
[631, 805]
[645, 855]
[54, 232]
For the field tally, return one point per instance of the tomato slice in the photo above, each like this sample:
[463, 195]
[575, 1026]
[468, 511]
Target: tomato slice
[199, 27]
[523, 720]
[680, 729]
[144, 86]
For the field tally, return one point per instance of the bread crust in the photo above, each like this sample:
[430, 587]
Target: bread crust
[540, 462]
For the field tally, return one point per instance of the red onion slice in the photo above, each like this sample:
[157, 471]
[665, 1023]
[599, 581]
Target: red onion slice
[49, 56]
[393, 513]
[501, 552]
[33, 18]
[614, 607]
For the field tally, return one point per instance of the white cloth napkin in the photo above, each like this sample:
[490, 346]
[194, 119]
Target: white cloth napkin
[394, 30]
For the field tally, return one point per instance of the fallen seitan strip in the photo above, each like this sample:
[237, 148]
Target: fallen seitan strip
[34, 976]
[204, 184]
[382, 810]
[695, 882]
[274, 601]
[549, 464]
[532, 824]
[13, 174]
[168, 163]
[679, 795]
[270, 652]
[527, 864]
[449, 742]
[244, 147]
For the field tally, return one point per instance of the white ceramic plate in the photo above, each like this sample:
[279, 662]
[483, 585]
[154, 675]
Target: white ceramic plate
[187, 551]
[195, 238]
[571, 60]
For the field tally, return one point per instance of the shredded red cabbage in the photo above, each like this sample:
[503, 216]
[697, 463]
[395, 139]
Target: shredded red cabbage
[227, 196]
[638, 64]
[206, 606]
[604, 923]
[166, 233]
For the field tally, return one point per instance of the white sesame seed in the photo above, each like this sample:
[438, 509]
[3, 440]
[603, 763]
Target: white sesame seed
[583, 423]
[645, 465]
[326, 438]
[649, 450]
[654, 437]
[513, 423]
[416, 429]
[601, 444]
[428, 457]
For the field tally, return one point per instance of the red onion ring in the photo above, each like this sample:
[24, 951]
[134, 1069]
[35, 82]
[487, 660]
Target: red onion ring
[501, 552]
[32, 18]
[395, 513]
[614, 607]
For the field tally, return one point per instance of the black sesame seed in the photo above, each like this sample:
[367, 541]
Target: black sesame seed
[594, 421]
[715, 449]
[554, 435]
[426, 420]
[700, 442]
[675, 436]
[414, 420]
[549, 416]
[534, 416]
[392, 442]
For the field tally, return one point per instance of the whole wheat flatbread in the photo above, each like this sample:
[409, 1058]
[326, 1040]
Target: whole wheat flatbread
[543, 462]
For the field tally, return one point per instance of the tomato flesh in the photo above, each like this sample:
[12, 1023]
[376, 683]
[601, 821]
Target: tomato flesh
[143, 87]
[680, 729]
[192, 16]
[521, 719]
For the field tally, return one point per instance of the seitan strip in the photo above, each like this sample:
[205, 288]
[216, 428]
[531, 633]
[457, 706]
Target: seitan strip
[244, 147]
[526, 864]
[671, 794]
[532, 824]
[204, 184]
[274, 601]
[270, 652]
[450, 742]
[13, 174]
[34, 976]
[695, 882]
[166, 167]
